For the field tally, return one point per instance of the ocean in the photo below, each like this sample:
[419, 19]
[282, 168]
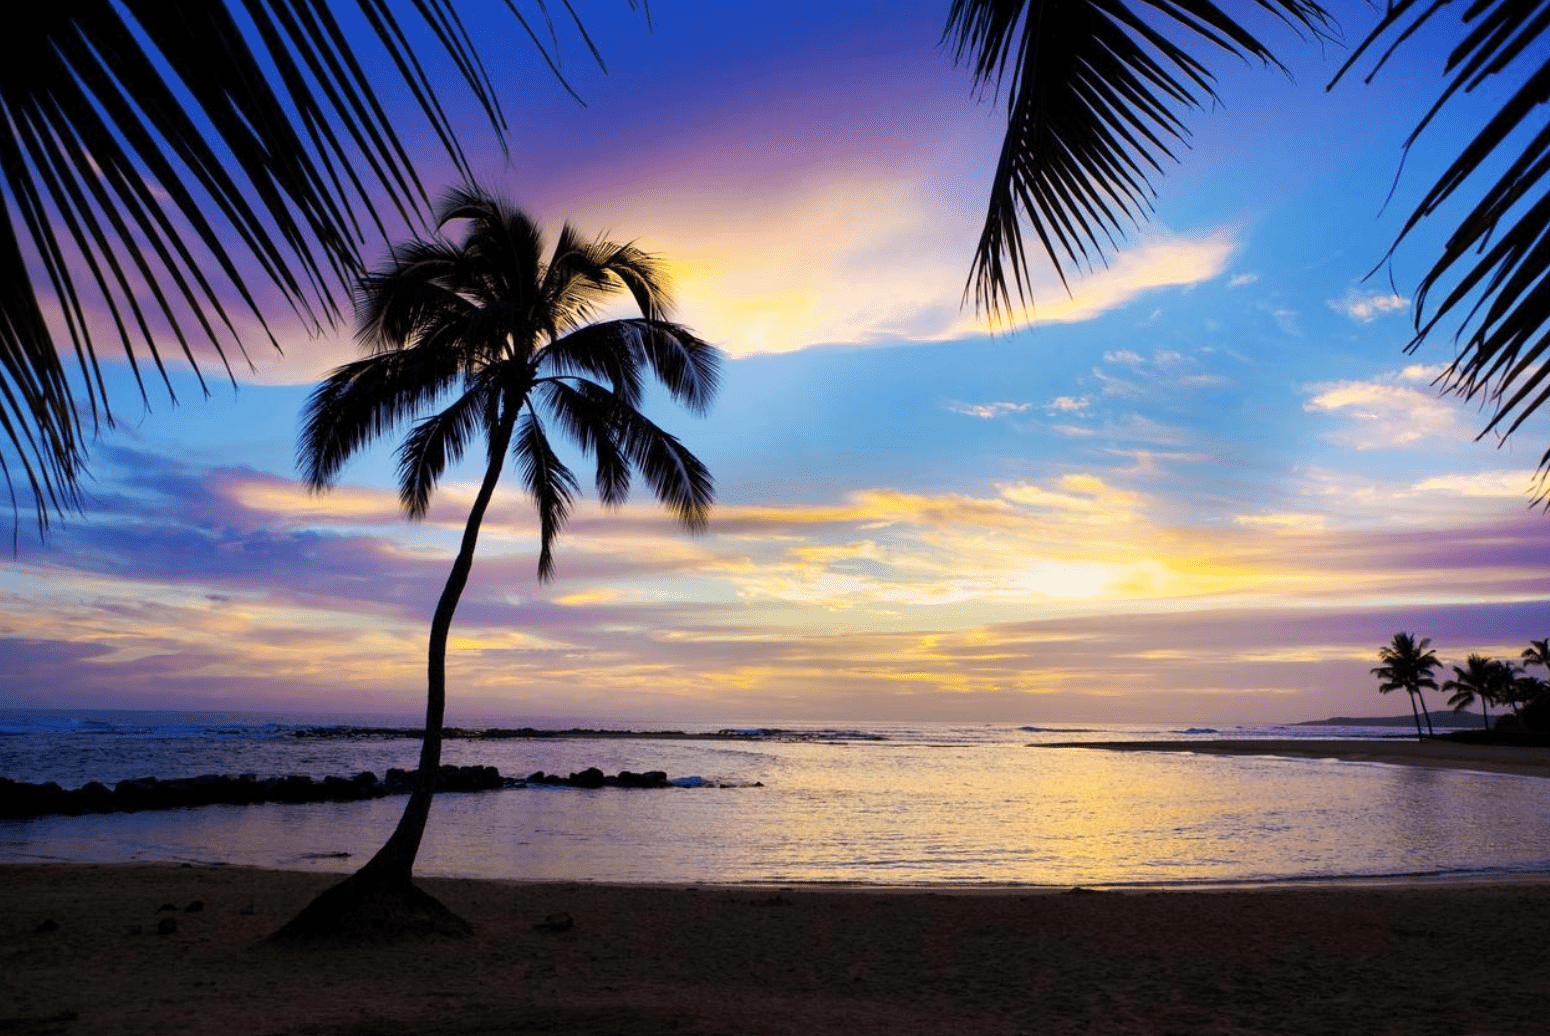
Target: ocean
[894, 804]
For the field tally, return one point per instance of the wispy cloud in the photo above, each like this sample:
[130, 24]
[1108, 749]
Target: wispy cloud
[1242, 280]
[1365, 307]
[989, 411]
[1385, 412]
[1068, 405]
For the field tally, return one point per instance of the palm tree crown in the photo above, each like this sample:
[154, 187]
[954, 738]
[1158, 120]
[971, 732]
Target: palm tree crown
[490, 319]
[1537, 653]
[1407, 666]
[1489, 680]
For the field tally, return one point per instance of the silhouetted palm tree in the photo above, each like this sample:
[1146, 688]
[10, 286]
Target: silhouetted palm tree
[1095, 92]
[1537, 653]
[1488, 679]
[165, 162]
[1407, 666]
[505, 330]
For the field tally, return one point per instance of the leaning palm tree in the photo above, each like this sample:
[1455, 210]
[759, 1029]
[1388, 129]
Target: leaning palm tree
[1407, 666]
[1488, 679]
[505, 330]
[163, 165]
[1096, 93]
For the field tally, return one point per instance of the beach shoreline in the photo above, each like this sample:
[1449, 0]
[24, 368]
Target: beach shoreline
[83, 956]
[1434, 753]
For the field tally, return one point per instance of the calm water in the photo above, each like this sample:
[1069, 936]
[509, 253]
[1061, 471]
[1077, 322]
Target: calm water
[881, 804]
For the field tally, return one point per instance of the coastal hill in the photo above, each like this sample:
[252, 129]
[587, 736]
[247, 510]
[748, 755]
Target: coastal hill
[1447, 718]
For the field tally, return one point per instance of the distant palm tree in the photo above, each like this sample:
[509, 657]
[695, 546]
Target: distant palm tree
[1537, 653]
[489, 319]
[1095, 92]
[1488, 679]
[1407, 666]
[163, 162]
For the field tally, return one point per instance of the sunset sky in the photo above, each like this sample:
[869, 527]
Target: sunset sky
[1202, 488]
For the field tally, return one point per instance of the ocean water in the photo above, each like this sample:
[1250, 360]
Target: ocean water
[883, 804]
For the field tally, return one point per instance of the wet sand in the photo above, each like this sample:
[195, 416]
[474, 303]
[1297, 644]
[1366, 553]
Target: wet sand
[1451, 755]
[651, 961]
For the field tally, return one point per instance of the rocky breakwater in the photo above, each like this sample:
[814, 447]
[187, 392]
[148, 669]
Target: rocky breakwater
[19, 800]
[592, 777]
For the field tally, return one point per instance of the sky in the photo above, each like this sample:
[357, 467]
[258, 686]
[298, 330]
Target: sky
[1201, 487]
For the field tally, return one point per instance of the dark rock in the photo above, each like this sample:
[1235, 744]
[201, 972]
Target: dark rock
[195, 907]
[95, 797]
[167, 926]
[591, 777]
[337, 789]
[295, 788]
[49, 925]
[136, 794]
[558, 922]
[649, 779]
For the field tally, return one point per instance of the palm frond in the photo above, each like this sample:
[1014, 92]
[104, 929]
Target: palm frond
[678, 478]
[1093, 91]
[410, 294]
[589, 415]
[163, 162]
[552, 485]
[437, 441]
[362, 401]
[1492, 270]
[688, 366]
[609, 351]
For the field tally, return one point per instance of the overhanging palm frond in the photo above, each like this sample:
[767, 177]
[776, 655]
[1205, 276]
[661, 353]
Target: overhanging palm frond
[162, 162]
[1093, 92]
[1493, 269]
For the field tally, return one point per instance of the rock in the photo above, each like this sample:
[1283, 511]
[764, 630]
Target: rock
[167, 926]
[50, 925]
[195, 907]
[591, 777]
[558, 922]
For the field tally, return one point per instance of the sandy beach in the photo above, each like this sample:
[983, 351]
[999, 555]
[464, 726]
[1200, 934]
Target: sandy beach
[639, 960]
[1451, 755]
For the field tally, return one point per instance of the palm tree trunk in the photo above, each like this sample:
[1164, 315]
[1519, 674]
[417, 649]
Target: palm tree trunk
[397, 856]
[1427, 713]
[1417, 714]
[380, 901]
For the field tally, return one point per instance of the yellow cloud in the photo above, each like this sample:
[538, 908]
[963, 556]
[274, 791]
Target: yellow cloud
[1285, 520]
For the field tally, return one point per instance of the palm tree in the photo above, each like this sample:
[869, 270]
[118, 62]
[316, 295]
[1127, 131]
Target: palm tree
[1095, 92]
[507, 332]
[1488, 679]
[164, 163]
[1407, 666]
[1537, 653]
